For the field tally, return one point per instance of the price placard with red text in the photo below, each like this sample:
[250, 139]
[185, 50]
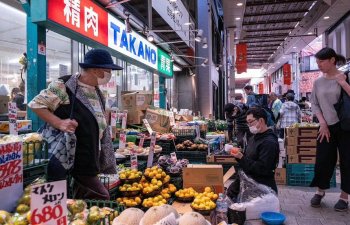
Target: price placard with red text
[49, 203]
[12, 118]
[151, 150]
[11, 175]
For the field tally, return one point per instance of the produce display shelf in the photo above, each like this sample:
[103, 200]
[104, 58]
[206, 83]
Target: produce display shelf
[168, 146]
[195, 157]
[302, 175]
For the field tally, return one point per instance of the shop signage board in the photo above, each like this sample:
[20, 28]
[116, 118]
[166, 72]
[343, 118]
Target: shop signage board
[92, 21]
[12, 118]
[11, 175]
[287, 74]
[156, 90]
[176, 15]
[49, 203]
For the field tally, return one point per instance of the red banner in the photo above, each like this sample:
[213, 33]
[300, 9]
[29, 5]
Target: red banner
[241, 58]
[84, 17]
[287, 74]
[261, 88]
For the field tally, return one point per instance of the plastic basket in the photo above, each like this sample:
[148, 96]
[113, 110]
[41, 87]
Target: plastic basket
[34, 153]
[181, 132]
[302, 175]
[195, 157]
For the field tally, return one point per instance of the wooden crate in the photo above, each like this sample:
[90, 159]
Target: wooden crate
[307, 159]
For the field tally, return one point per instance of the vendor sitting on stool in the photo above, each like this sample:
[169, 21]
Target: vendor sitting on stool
[261, 156]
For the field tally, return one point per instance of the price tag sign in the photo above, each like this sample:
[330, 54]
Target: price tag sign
[124, 119]
[122, 140]
[173, 157]
[172, 118]
[198, 133]
[13, 118]
[151, 150]
[49, 203]
[142, 140]
[113, 118]
[149, 128]
[11, 175]
[133, 161]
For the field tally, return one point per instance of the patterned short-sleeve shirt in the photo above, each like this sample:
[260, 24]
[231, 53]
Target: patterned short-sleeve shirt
[56, 95]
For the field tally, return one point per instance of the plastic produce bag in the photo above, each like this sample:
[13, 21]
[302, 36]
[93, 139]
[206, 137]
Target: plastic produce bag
[254, 198]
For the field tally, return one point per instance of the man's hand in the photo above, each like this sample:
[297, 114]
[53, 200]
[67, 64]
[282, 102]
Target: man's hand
[68, 125]
[340, 78]
[237, 155]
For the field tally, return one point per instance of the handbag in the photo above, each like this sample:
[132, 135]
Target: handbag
[61, 148]
[343, 108]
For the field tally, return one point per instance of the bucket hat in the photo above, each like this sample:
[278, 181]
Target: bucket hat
[99, 58]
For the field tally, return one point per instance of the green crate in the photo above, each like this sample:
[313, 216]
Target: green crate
[35, 154]
[302, 175]
[32, 173]
[195, 157]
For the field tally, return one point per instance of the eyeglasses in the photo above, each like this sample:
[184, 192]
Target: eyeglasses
[250, 123]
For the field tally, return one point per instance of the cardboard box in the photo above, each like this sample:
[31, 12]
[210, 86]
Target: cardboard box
[136, 103]
[186, 118]
[302, 131]
[158, 119]
[301, 150]
[200, 176]
[4, 100]
[307, 159]
[281, 176]
[222, 159]
[301, 141]
[22, 125]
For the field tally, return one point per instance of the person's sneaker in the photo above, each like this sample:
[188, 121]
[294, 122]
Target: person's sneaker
[316, 200]
[341, 206]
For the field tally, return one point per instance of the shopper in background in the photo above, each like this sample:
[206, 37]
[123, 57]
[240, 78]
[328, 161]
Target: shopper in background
[326, 93]
[241, 126]
[94, 152]
[229, 119]
[261, 156]
[18, 98]
[303, 104]
[275, 105]
[248, 89]
[289, 114]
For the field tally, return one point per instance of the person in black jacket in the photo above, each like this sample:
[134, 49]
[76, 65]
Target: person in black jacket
[260, 158]
[241, 128]
[229, 107]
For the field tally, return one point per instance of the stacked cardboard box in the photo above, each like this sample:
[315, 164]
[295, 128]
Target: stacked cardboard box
[301, 144]
[280, 172]
[136, 103]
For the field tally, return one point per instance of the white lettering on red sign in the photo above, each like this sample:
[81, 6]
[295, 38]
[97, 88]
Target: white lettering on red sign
[91, 20]
[72, 12]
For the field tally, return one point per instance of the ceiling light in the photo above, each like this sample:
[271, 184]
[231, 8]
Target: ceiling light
[239, 4]
[238, 18]
[198, 37]
[150, 38]
[326, 17]
[310, 33]
[205, 44]
[187, 24]
[172, 0]
[205, 63]
[176, 11]
[172, 58]
[294, 47]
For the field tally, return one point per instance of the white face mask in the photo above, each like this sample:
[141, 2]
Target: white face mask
[253, 130]
[106, 78]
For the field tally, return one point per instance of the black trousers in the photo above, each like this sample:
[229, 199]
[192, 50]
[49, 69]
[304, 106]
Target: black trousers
[326, 159]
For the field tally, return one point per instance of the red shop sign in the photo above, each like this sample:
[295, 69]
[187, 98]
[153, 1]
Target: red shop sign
[82, 16]
[261, 88]
[287, 74]
[241, 58]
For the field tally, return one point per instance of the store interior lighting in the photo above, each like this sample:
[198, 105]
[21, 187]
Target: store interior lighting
[150, 38]
[205, 63]
[205, 43]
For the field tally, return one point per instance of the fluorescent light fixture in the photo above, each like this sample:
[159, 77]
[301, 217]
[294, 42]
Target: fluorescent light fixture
[176, 11]
[205, 63]
[237, 18]
[310, 33]
[205, 43]
[198, 37]
[176, 68]
[326, 17]
[294, 47]
[187, 24]
[172, 0]
[239, 4]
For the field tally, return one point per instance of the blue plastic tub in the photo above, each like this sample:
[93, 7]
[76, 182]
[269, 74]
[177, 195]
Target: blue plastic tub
[273, 218]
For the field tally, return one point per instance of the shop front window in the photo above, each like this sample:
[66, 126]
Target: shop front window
[138, 79]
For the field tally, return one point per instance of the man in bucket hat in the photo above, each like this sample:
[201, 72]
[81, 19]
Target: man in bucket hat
[87, 120]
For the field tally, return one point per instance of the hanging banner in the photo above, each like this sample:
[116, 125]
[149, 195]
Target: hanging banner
[287, 74]
[261, 88]
[241, 58]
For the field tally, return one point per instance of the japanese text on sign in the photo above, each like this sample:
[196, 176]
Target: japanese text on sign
[48, 203]
[12, 118]
[11, 174]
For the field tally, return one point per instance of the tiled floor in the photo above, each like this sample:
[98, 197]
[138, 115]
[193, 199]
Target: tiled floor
[295, 204]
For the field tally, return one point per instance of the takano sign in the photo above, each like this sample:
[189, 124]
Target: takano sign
[90, 20]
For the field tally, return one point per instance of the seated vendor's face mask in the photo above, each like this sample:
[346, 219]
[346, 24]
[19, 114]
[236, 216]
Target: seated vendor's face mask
[253, 130]
[253, 124]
